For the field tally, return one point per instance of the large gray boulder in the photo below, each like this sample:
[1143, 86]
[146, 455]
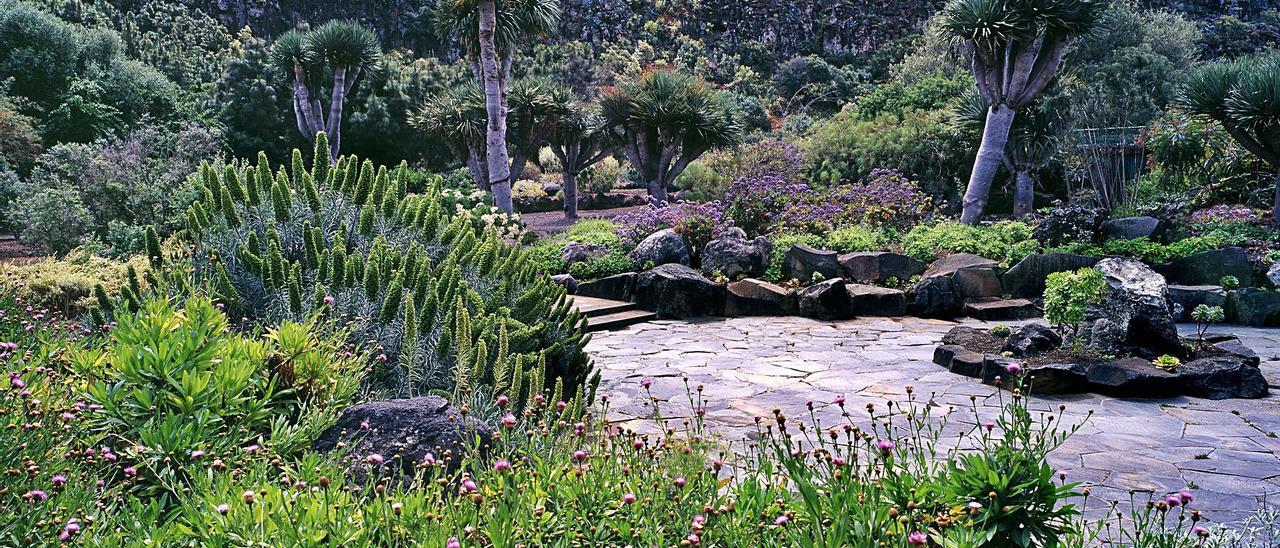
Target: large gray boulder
[1026, 279]
[802, 261]
[662, 247]
[878, 267]
[870, 300]
[569, 283]
[1130, 228]
[1032, 340]
[1222, 377]
[752, 297]
[1273, 274]
[935, 297]
[1209, 267]
[574, 252]
[828, 300]
[400, 434]
[677, 291]
[735, 256]
[1135, 316]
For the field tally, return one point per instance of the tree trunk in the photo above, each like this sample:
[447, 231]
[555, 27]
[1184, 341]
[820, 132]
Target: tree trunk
[496, 134]
[657, 190]
[995, 134]
[336, 98]
[1024, 193]
[1275, 207]
[570, 189]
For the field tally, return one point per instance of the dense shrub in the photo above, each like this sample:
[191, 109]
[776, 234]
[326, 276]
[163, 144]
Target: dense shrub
[1144, 249]
[711, 177]
[1079, 221]
[923, 145]
[1197, 158]
[698, 223]
[442, 301]
[884, 197]
[1005, 241]
[932, 93]
[546, 253]
[66, 285]
[1067, 295]
[755, 204]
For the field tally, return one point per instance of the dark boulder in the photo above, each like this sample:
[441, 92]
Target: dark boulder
[568, 282]
[1134, 317]
[997, 367]
[935, 297]
[662, 247]
[828, 300]
[1032, 340]
[733, 256]
[802, 261]
[751, 297]
[1026, 279]
[974, 277]
[400, 434]
[1186, 298]
[870, 300]
[959, 360]
[1221, 377]
[1130, 228]
[619, 287]
[1133, 377]
[1232, 346]
[1253, 307]
[677, 291]
[1209, 267]
[574, 252]
[1055, 378]
[879, 267]
[955, 262]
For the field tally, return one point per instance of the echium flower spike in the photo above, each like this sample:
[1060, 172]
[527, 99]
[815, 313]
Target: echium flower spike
[320, 158]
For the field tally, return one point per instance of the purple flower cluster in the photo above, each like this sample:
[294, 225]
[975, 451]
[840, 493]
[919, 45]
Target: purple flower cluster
[699, 223]
[755, 204]
[884, 197]
[1225, 214]
[770, 158]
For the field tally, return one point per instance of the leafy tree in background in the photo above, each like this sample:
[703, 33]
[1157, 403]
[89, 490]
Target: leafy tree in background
[1244, 96]
[665, 120]
[250, 103]
[340, 48]
[458, 116]
[1017, 47]
[1034, 139]
[533, 106]
[489, 32]
[186, 44]
[579, 139]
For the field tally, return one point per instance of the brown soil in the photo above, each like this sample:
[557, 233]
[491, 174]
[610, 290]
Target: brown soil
[553, 222]
[13, 252]
[977, 341]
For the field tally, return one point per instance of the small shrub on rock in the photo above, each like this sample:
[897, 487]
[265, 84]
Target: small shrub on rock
[1067, 296]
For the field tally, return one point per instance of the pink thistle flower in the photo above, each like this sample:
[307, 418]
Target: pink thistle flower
[1186, 497]
[885, 446]
[1013, 368]
[502, 466]
[781, 520]
[680, 482]
[364, 425]
[1173, 501]
[628, 498]
[579, 455]
[917, 538]
[195, 455]
[470, 485]
[508, 421]
[130, 472]
[839, 400]
[453, 543]
[58, 480]
[1200, 531]
[503, 401]
[646, 383]
[223, 509]
[374, 459]
[36, 495]
[429, 459]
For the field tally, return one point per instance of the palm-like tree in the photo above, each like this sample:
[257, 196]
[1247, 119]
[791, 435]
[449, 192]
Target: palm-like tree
[579, 138]
[665, 120]
[533, 108]
[1034, 138]
[1244, 96]
[489, 31]
[344, 50]
[458, 116]
[1017, 47]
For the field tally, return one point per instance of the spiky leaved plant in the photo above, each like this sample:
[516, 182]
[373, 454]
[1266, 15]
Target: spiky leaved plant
[1244, 96]
[442, 303]
[1017, 47]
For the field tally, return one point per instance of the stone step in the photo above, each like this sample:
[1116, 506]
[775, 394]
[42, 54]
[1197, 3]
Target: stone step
[592, 307]
[619, 320]
[1000, 309]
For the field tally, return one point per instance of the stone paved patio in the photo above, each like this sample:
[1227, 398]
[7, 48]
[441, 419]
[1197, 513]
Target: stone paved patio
[1227, 450]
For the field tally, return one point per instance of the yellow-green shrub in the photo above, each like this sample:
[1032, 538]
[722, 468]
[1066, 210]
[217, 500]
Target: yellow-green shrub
[66, 285]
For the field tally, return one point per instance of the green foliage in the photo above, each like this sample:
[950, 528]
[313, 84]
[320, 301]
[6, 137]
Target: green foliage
[783, 242]
[1146, 250]
[177, 387]
[931, 93]
[66, 285]
[609, 264]
[546, 253]
[368, 261]
[852, 239]
[1166, 362]
[1005, 241]
[1229, 282]
[1067, 295]
[1205, 316]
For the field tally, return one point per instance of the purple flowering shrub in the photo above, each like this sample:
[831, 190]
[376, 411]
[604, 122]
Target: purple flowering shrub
[697, 222]
[1225, 214]
[884, 197]
[710, 177]
[755, 204]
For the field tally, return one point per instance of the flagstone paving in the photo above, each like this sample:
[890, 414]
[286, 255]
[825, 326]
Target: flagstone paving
[1228, 451]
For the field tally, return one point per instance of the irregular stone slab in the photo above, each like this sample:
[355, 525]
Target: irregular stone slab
[1253, 307]
[1209, 267]
[1132, 377]
[1026, 279]
[801, 261]
[959, 360]
[935, 297]
[1232, 345]
[955, 262]
[1032, 340]
[752, 297]
[870, 300]
[1134, 317]
[978, 283]
[1220, 378]
[402, 433]
[828, 300]
[675, 291]
[662, 247]
[880, 266]
[994, 310]
[735, 256]
[1186, 298]
[1130, 228]
[619, 287]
